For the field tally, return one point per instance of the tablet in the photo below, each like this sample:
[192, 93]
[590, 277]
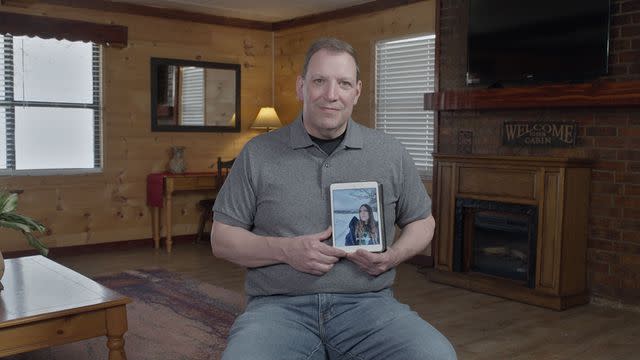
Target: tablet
[356, 216]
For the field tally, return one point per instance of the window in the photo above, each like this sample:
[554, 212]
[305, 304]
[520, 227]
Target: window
[49, 105]
[405, 71]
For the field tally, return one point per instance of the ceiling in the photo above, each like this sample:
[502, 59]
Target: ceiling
[258, 10]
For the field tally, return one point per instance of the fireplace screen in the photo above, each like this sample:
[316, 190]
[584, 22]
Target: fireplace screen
[497, 239]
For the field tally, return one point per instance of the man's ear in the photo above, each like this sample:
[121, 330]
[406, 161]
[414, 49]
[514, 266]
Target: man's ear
[299, 84]
[358, 90]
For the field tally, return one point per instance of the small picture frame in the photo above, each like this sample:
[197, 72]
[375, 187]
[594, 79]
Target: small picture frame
[357, 216]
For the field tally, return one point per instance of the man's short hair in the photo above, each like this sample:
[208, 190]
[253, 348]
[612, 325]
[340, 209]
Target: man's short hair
[332, 45]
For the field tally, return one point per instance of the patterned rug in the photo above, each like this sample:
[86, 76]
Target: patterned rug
[170, 318]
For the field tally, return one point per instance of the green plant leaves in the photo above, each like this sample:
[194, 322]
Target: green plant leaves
[9, 219]
[36, 244]
[8, 202]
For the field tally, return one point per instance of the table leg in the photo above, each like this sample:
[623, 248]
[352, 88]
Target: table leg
[167, 220]
[155, 223]
[116, 327]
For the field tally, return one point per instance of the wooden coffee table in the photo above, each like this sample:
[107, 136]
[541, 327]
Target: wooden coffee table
[44, 304]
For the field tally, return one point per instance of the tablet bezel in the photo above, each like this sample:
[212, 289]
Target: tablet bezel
[381, 247]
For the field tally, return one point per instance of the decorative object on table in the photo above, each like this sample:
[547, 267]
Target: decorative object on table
[267, 119]
[177, 164]
[539, 133]
[171, 317]
[11, 220]
[465, 142]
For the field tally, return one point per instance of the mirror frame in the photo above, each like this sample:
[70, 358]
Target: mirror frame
[155, 62]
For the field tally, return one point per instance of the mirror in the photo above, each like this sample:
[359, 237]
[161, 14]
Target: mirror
[194, 96]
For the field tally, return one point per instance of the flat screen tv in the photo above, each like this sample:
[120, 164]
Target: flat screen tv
[537, 41]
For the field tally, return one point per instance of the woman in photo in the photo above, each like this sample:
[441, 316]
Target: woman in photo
[363, 230]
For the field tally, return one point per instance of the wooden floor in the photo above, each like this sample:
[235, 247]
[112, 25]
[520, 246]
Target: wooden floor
[479, 326]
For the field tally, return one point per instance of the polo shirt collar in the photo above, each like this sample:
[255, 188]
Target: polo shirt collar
[299, 138]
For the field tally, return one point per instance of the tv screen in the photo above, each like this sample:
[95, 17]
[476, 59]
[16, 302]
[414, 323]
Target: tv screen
[537, 41]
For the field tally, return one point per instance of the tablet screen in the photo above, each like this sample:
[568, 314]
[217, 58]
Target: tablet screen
[356, 216]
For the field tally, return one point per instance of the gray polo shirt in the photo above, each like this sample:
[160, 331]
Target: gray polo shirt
[279, 186]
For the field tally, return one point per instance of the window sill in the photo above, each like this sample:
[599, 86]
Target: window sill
[50, 172]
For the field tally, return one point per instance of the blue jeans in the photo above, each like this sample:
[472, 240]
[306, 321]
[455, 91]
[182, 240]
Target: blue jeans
[334, 326]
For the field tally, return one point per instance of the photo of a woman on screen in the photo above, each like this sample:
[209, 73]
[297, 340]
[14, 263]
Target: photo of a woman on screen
[363, 230]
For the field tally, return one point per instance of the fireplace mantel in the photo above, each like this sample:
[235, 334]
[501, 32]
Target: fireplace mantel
[559, 187]
[595, 94]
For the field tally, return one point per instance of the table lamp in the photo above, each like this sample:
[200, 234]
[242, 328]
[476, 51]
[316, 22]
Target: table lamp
[266, 119]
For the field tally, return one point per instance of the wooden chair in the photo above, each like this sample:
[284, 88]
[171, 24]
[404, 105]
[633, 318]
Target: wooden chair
[207, 204]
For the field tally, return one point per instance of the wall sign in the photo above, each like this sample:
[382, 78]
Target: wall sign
[539, 133]
[465, 142]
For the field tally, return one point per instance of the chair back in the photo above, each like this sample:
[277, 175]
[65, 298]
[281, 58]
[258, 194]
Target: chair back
[223, 170]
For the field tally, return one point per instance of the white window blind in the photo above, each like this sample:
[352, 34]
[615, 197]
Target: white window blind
[192, 107]
[405, 71]
[49, 104]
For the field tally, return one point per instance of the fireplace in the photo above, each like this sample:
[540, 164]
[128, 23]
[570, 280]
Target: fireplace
[513, 226]
[496, 239]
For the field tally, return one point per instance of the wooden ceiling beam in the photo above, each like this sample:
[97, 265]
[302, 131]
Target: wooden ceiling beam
[356, 10]
[172, 14]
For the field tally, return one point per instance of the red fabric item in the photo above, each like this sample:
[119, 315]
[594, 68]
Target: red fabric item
[155, 185]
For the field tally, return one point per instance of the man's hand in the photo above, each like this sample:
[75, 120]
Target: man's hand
[373, 264]
[414, 238]
[307, 253]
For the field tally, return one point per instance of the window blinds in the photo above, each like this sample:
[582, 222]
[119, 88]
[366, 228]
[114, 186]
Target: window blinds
[405, 71]
[193, 87]
[30, 92]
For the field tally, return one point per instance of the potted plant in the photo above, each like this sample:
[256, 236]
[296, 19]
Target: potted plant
[12, 220]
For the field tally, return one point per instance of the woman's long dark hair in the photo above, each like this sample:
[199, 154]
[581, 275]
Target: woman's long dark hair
[370, 226]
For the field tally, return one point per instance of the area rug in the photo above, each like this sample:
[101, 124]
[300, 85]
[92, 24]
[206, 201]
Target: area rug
[171, 318]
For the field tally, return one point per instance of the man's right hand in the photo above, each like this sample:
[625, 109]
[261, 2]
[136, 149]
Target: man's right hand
[308, 253]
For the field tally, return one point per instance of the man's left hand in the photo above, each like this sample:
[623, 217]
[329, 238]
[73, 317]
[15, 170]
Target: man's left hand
[373, 264]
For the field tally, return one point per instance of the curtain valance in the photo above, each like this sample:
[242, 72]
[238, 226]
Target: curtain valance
[56, 28]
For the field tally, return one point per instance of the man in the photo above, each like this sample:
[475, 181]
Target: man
[307, 299]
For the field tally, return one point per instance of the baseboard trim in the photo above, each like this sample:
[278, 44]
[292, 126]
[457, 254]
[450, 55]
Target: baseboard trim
[92, 248]
[421, 261]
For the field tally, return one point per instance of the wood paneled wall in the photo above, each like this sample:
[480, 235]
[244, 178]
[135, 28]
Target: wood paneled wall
[361, 32]
[111, 206]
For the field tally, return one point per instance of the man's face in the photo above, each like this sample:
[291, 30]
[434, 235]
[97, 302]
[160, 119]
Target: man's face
[329, 90]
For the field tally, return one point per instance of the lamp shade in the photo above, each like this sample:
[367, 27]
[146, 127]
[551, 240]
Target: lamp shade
[266, 119]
